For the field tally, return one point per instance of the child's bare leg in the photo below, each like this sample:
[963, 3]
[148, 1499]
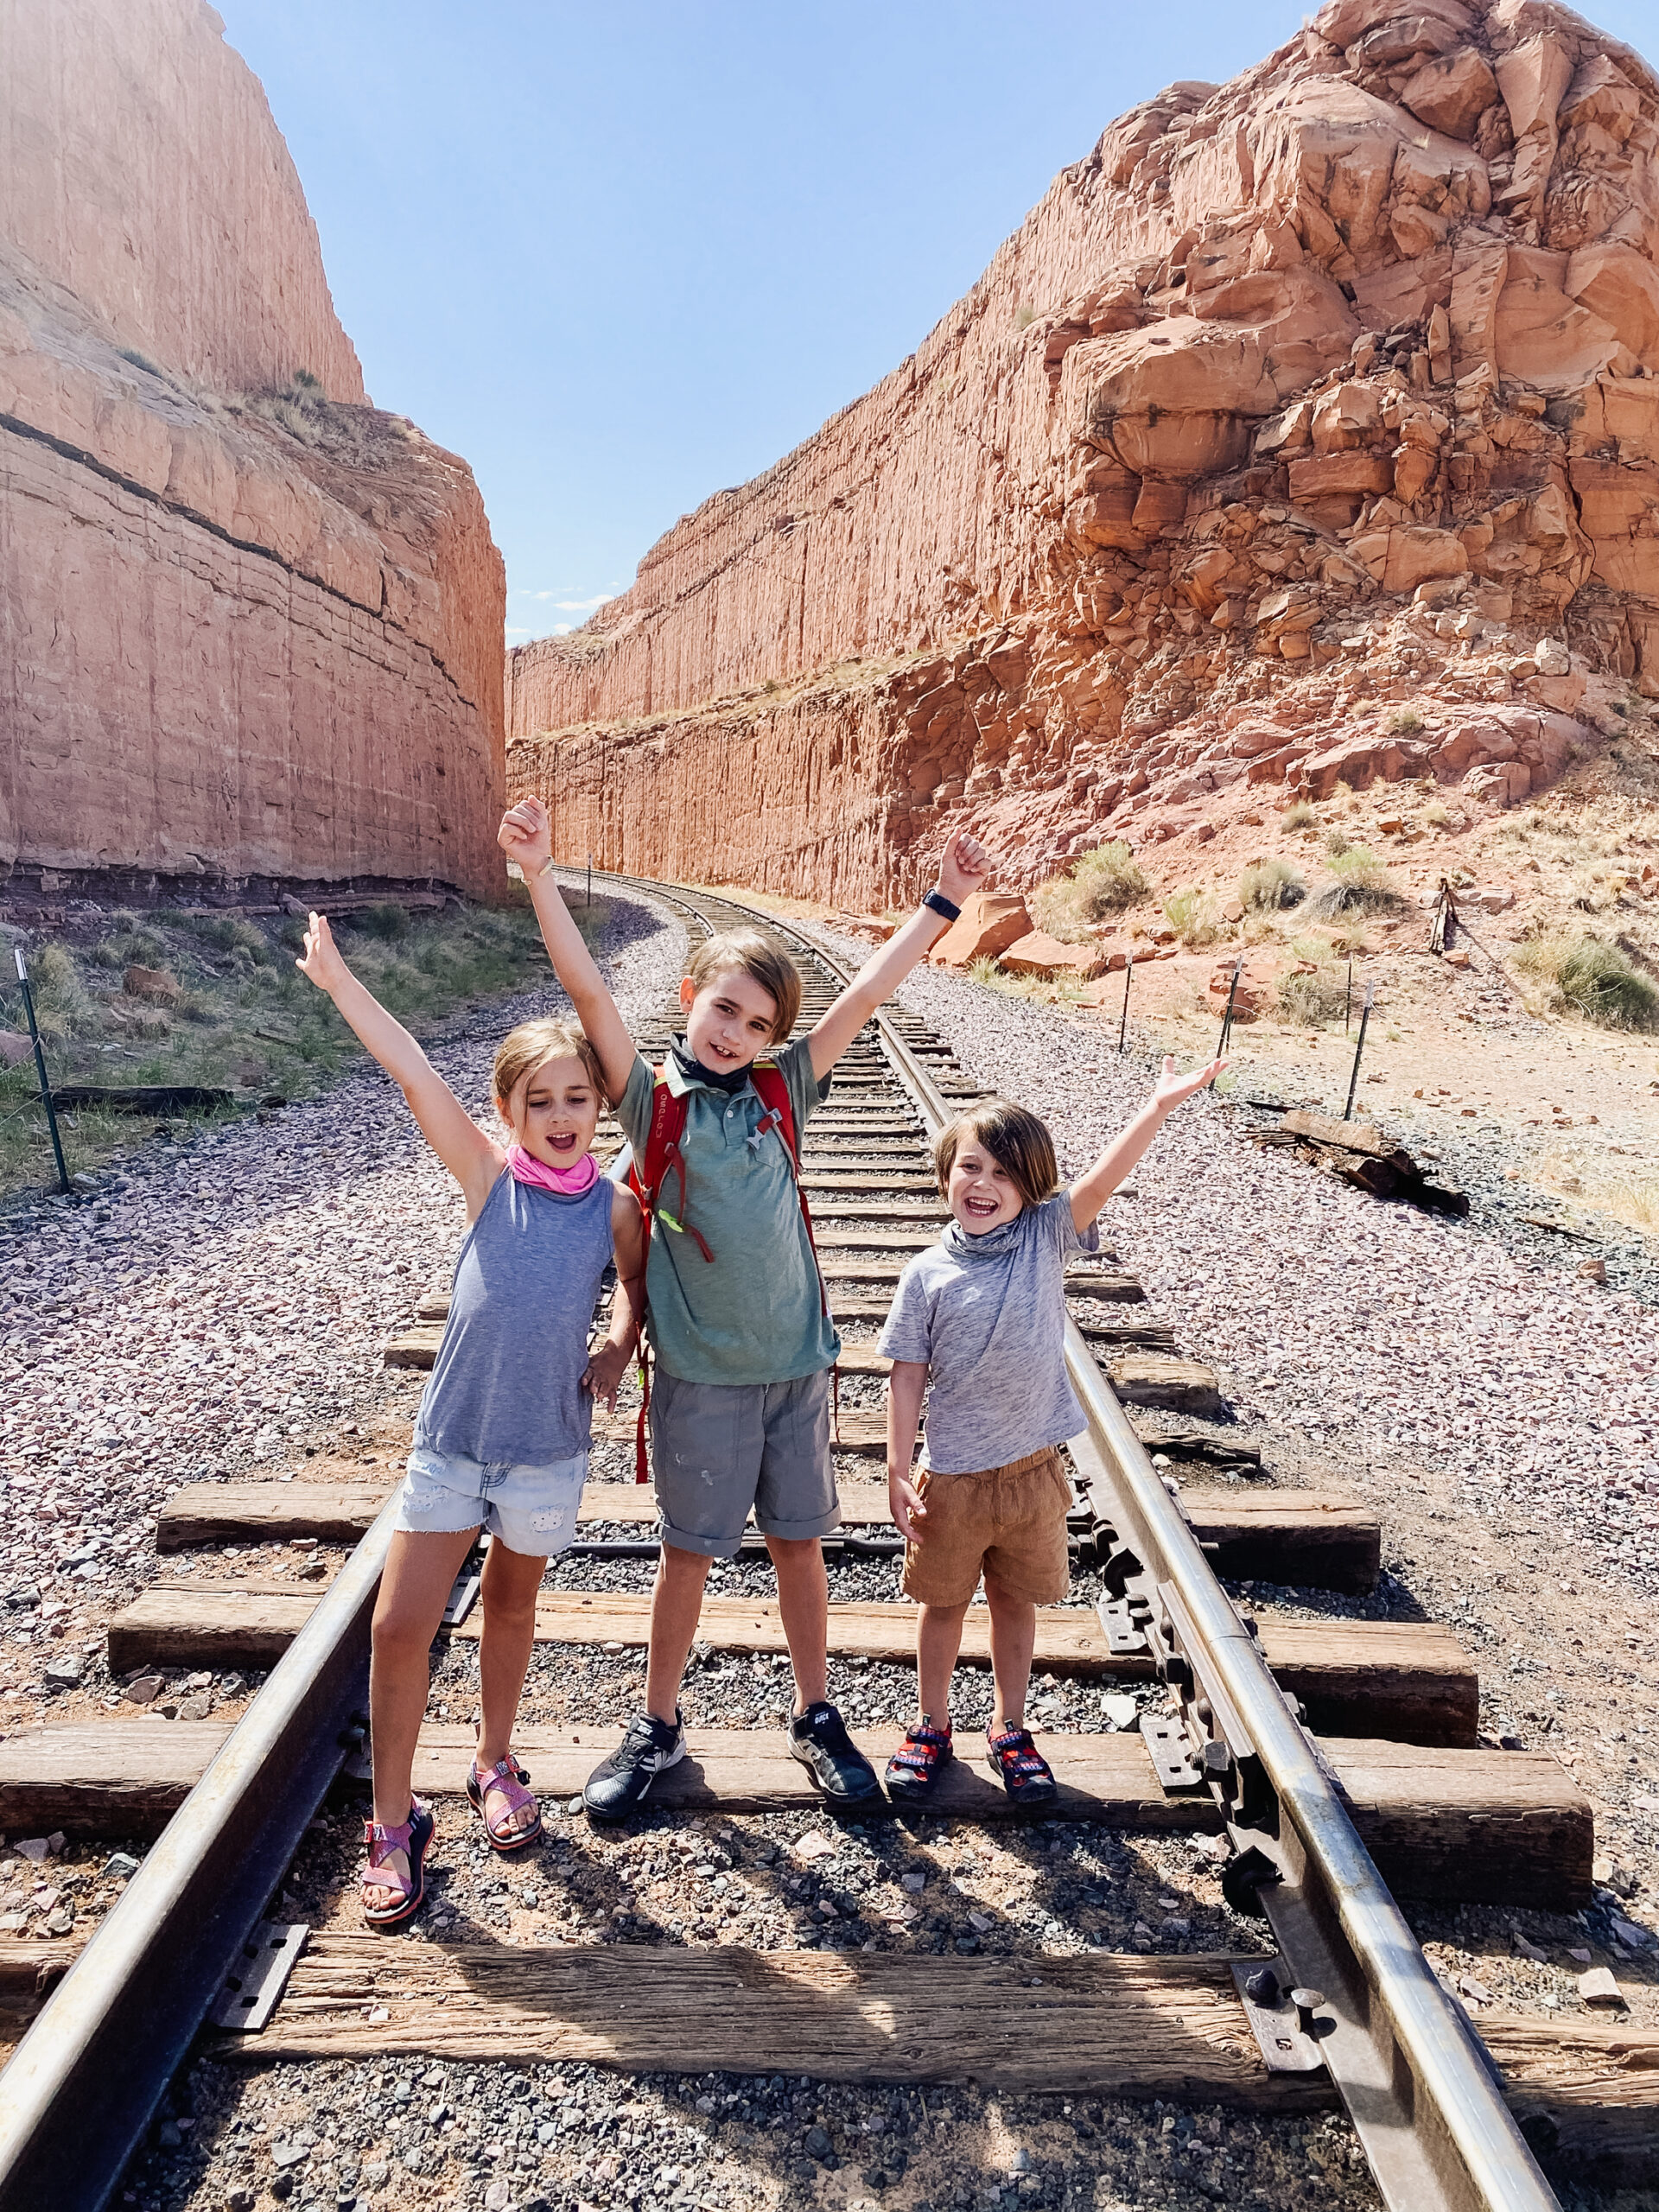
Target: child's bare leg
[676, 1608]
[1014, 1638]
[938, 1639]
[804, 1605]
[510, 1581]
[420, 1571]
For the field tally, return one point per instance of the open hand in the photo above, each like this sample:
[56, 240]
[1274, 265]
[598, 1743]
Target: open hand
[603, 1377]
[321, 961]
[964, 867]
[1171, 1089]
[905, 1505]
[526, 836]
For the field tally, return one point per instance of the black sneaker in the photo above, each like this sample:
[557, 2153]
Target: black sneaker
[818, 1738]
[619, 1783]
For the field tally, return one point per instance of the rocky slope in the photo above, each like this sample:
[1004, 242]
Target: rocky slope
[1308, 430]
[251, 625]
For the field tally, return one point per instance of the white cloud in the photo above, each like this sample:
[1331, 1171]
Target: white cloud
[565, 605]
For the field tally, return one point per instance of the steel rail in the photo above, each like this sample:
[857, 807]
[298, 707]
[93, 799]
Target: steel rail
[84, 2082]
[1419, 2085]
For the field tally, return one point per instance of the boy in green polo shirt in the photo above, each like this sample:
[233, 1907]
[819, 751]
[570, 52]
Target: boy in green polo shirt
[740, 1413]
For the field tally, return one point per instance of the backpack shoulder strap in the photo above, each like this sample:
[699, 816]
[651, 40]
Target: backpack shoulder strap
[664, 1158]
[774, 1093]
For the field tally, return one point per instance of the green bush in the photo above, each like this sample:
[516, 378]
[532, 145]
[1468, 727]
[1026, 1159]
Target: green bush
[1269, 886]
[1107, 880]
[231, 934]
[62, 1006]
[1362, 886]
[388, 920]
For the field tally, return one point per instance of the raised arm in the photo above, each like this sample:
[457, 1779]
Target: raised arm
[525, 836]
[444, 1122]
[964, 869]
[1092, 1191]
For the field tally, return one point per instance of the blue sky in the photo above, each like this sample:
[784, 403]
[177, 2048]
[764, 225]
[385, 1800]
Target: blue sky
[620, 256]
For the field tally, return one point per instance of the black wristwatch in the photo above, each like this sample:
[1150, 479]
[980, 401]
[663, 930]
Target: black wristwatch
[941, 905]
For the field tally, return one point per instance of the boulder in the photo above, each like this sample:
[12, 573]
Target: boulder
[1039, 954]
[154, 984]
[1452, 92]
[988, 925]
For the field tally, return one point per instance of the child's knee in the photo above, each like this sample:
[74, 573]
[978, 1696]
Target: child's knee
[398, 1637]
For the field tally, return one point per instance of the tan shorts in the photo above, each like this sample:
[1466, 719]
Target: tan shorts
[1008, 1522]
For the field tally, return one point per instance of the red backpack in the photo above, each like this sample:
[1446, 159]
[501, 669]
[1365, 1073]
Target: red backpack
[663, 1157]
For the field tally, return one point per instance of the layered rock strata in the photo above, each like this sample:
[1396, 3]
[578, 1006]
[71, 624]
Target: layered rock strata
[252, 626]
[1325, 398]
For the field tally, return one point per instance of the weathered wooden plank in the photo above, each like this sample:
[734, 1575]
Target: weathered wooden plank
[1407, 1680]
[1307, 1539]
[1146, 2027]
[1499, 1828]
[264, 1512]
[1108, 1289]
[1164, 1381]
[1150, 2027]
[30, 1972]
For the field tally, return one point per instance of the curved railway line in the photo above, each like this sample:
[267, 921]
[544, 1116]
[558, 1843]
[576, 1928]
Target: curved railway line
[1330, 1759]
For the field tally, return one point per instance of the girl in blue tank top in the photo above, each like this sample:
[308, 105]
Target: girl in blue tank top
[501, 1438]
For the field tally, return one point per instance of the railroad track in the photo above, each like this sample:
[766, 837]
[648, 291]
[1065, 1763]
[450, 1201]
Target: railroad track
[1326, 1755]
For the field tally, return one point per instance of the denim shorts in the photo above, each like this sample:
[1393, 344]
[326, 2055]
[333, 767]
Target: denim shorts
[530, 1509]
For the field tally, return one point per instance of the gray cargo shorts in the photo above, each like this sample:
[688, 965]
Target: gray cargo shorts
[718, 1448]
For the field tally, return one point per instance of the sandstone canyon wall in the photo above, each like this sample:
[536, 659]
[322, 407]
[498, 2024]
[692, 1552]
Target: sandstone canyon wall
[252, 626]
[1320, 400]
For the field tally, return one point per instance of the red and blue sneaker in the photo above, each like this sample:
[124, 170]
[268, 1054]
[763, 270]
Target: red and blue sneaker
[914, 1767]
[1024, 1772]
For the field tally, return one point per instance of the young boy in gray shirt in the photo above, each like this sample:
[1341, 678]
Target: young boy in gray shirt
[978, 1323]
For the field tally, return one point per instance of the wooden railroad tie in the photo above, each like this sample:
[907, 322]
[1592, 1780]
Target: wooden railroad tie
[1497, 1828]
[1408, 1680]
[1146, 2026]
[1307, 1539]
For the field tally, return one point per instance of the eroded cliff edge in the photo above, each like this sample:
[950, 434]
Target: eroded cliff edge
[1322, 395]
[252, 626]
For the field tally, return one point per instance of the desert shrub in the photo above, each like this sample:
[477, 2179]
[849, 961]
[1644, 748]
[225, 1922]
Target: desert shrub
[387, 919]
[1267, 886]
[1436, 816]
[1405, 721]
[231, 934]
[984, 970]
[1313, 996]
[1298, 815]
[62, 1006]
[291, 933]
[1337, 841]
[1362, 886]
[1598, 979]
[1099, 883]
[1107, 880]
[1193, 917]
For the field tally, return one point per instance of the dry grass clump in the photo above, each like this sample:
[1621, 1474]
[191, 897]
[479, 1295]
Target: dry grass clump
[1193, 916]
[1299, 814]
[1099, 884]
[1270, 886]
[1593, 977]
[1313, 996]
[1362, 885]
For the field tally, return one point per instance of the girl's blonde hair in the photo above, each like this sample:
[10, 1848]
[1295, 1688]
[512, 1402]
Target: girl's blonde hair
[1016, 1140]
[524, 1049]
[751, 953]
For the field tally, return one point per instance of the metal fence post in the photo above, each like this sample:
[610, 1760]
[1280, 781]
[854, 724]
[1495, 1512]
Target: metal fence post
[40, 1070]
[1128, 977]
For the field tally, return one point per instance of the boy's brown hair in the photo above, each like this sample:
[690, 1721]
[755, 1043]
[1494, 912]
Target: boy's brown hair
[1016, 1140]
[748, 951]
[524, 1049]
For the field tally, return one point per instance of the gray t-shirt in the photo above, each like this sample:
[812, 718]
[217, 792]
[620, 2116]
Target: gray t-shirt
[987, 1314]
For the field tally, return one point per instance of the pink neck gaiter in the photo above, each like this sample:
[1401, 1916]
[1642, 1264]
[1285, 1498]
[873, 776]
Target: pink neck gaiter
[569, 1182]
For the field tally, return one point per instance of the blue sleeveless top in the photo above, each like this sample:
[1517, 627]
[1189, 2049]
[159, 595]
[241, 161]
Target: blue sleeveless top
[506, 1384]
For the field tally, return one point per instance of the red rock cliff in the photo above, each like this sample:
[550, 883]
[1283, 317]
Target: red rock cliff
[1335, 386]
[252, 626]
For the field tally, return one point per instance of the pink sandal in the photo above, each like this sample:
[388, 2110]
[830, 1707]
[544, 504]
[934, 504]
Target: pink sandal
[413, 1838]
[508, 1778]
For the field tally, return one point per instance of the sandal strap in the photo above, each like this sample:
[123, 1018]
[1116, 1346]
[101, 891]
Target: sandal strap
[509, 1777]
[382, 1841]
[1017, 1755]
